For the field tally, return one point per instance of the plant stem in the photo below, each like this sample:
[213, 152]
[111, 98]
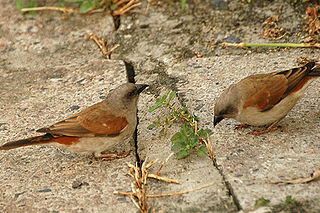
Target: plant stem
[181, 115]
[244, 45]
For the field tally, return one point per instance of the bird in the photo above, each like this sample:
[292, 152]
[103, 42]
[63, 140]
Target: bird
[94, 129]
[264, 99]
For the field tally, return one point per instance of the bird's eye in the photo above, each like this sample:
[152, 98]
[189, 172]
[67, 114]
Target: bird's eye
[131, 94]
[228, 110]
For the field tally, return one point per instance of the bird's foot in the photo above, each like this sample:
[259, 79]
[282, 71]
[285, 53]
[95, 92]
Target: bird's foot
[241, 126]
[112, 156]
[261, 132]
[271, 128]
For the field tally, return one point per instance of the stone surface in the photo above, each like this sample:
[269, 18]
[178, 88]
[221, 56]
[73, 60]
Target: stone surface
[192, 172]
[250, 162]
[49, 71]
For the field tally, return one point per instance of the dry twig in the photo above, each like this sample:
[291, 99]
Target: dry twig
[209, 148]
[304, 60]
[123, 6]
[182, 192]
[163, 164]
[163, 178]
[246, 45]
[139, 195]
[60, 9]
[312, 20]
[127, 6]
[272, 30]
[315, 175]
[102, 45]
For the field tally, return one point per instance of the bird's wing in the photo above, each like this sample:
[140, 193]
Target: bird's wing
[265, 91]
[297, 77]
[93, 121]
[269, 89]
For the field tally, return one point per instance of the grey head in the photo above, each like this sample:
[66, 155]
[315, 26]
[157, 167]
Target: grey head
[125, 96]
[227, 104]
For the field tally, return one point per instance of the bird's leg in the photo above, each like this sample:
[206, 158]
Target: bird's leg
[241, 126]
[269, 129]
[111, 156]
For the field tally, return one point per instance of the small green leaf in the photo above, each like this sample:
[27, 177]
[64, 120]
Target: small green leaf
[113, 6]
[202, 151]
[153, 108]
[60, 4]
[184, 135]
[176, 137]
[158, 101]
[31, 4]
[205, 132]
[193, 140]
[261, 202]
[164, 97]
[86, 6]
[182, 154]
[183, 144]
[101, 9]
[151, 126]
[19, 4]
[157, 123]
[176, 146]
[183, 4]
[74, 0]
[289, 200]
[165, 130]
[171, 96]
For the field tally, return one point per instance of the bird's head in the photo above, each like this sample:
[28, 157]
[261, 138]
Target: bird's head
[126, 95]
[226, 105]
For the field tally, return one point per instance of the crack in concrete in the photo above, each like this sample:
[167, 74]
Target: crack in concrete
[182, 100]
[170, 82]
[130, 77]
[218, 167]
[228, 186]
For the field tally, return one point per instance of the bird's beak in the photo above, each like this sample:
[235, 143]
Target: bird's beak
[141, 87]
[217, 120]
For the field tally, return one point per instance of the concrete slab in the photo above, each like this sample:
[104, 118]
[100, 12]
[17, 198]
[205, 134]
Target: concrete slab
[192, 171]
[250, 162]
[48, 71]
[46, 179]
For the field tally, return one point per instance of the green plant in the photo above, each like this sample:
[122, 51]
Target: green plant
[289, 200]
[88, 5]
[261, 202]
[26, 4]
[183, 4]
[84, 5]
[294, 1]
[189, 137]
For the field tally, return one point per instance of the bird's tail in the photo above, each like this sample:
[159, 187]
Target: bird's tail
[315, 71]
[38, 140]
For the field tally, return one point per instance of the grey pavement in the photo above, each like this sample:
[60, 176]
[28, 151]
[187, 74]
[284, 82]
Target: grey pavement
[49, 71]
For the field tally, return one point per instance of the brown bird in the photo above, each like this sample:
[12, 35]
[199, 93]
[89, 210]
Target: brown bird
[264, 99]
[94, 129]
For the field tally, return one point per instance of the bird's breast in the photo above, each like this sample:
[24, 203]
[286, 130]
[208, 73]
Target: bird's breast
[255, 117]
